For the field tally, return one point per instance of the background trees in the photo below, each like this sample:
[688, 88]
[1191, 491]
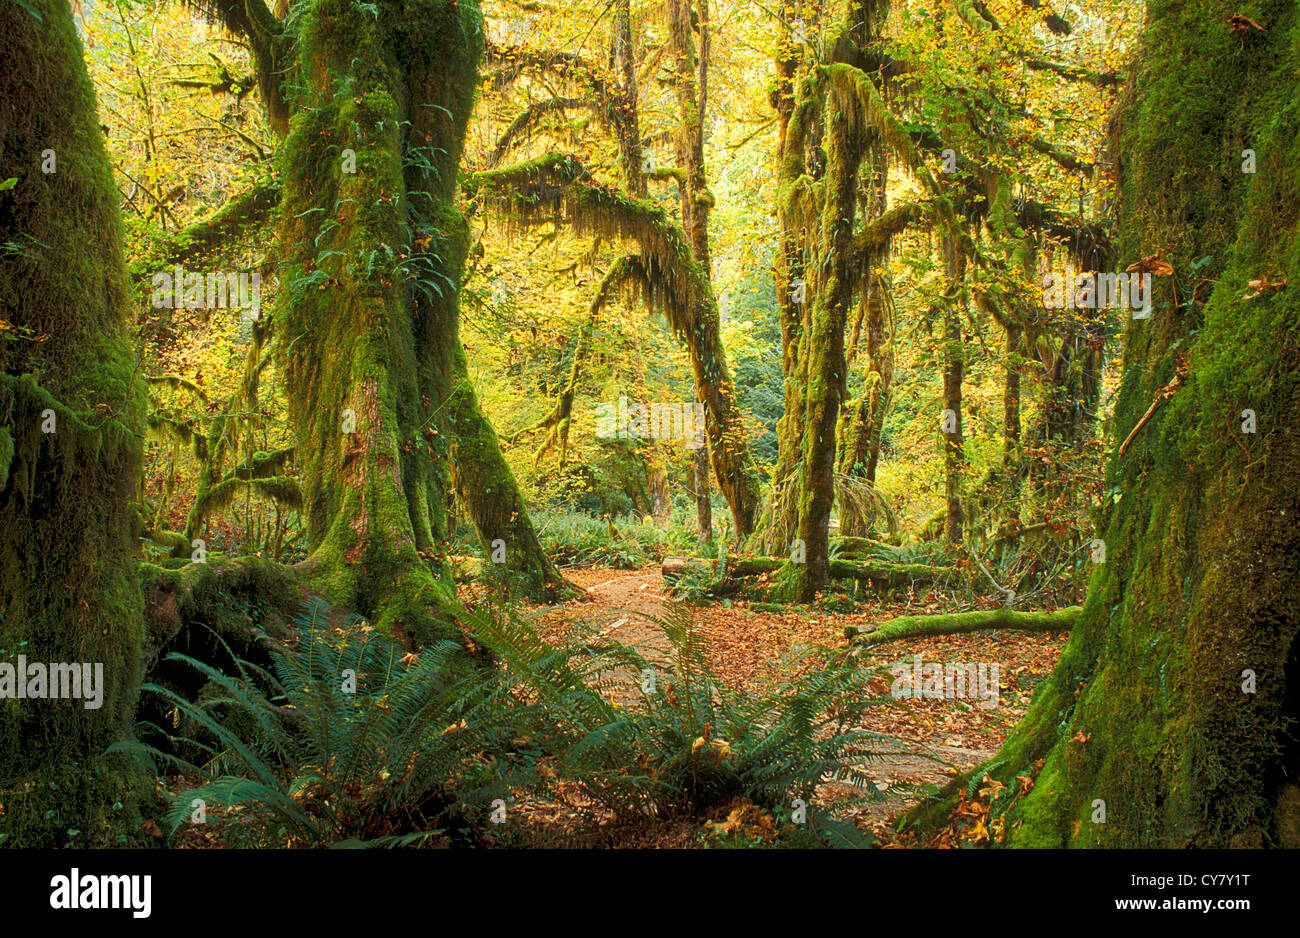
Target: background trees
[1170, 708]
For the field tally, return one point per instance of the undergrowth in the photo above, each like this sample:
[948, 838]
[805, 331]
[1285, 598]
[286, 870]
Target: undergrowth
[348, 740]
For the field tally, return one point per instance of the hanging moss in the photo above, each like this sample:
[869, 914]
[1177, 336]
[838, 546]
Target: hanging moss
[669, 277]
[250, 210]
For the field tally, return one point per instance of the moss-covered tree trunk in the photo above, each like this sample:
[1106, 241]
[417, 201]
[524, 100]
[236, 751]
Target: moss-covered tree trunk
[729, 445]
[488, 488]
[796, 104]
[70, 444]
[703, 494]
[814, 258]
[880, 362]
[1169, 719]
[367, 327]
[374, 248]
[625, 112]
[827, 380]
[863, 420]
[1011, 407]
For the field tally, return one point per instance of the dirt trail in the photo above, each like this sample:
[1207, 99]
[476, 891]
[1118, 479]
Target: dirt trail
[623, 603]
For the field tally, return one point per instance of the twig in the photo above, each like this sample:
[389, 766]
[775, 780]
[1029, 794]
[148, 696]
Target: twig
[1162, 395]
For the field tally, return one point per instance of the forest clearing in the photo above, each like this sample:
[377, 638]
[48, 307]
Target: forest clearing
[680, 424]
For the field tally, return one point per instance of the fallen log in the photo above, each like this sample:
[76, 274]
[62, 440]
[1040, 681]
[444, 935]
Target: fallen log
[858, 545]
[673, 567]
[877, 573]
[904, 627]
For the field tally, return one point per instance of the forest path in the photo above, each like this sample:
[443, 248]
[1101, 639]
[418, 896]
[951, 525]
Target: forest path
[624, 603]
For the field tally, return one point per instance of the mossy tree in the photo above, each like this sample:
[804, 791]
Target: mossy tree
[673, 261]
[368, 321]
[372, 251]
[71, 415]
[1169, 719]
[836, 132]
[985, 239]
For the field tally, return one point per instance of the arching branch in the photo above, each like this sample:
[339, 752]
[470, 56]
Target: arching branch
[529, 118]
[625, 275]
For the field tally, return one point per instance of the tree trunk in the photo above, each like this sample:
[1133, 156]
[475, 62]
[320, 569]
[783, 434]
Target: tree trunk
[1011, 409]
[954, 450]
[1165, 723]
[626, 120]
[880, 359]
[71, 415]
[703, 495]
[369, 345]
[729, 445]
[794, 116]
[491, 496]
[825, 389]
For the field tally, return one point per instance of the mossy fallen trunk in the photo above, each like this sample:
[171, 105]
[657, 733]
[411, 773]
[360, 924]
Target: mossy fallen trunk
[876, 574]
[231, 597]
[1168, 721]
[70, 446]
[848, 547]
[905, 627]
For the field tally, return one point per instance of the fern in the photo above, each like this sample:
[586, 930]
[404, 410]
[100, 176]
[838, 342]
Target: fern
[394, 763]
[426, 742]
[692, 744]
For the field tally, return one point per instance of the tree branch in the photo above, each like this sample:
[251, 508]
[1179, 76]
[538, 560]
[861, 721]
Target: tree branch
[530, 116]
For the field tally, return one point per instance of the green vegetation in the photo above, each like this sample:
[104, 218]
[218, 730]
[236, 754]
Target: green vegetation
[612, 352]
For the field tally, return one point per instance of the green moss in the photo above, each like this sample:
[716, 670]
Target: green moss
[367, 324]
[1060, 620]
[67, 530]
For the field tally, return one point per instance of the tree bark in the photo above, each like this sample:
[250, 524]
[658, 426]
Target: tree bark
[367, 318]
[71, 417]
[954, 450]
[703, 495]
[827, 378]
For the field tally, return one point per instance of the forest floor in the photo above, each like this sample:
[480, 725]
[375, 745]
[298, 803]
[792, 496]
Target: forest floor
[931, 739]
[935, 739]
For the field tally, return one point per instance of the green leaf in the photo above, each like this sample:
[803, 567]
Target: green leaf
[34, 12]
[8, 183]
